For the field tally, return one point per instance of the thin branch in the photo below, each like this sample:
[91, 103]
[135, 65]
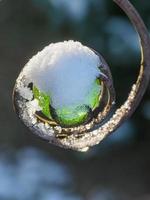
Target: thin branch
[136, 93]
[94, 137]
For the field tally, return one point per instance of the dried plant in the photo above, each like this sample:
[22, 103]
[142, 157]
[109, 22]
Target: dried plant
[83, 137]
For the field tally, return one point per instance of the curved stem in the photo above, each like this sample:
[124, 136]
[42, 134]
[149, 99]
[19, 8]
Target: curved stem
[144, 75]
[136, 93]
[94, 137]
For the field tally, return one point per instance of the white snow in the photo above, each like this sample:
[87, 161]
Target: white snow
[64, 70]
[25, 92]
[32, 107]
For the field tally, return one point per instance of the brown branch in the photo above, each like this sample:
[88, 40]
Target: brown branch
[136, 93]
[94, 137]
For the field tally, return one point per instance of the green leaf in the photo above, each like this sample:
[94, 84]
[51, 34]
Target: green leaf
[44, 101]
[72, 115]
[93, 97]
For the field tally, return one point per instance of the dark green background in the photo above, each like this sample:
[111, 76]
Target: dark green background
[116, 169]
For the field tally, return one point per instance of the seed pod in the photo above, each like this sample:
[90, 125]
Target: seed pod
[66, 99]
[64, 90]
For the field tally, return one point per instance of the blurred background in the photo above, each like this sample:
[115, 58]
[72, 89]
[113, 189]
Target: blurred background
[30, 168]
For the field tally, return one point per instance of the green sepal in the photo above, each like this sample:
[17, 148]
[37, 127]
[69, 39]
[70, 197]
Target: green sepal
[71, 116]
[93, 97]
[44, 101]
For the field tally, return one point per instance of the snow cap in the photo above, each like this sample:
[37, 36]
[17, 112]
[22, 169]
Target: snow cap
[64, 70]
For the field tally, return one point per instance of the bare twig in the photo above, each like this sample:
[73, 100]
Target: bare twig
[137, 91]
[93, 137]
